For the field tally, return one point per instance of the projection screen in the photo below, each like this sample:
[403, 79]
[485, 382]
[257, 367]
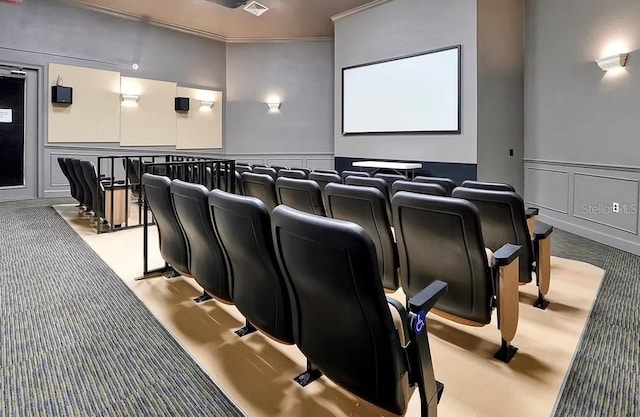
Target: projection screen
[414, 94]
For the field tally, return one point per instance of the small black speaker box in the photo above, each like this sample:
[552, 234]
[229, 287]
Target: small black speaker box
[61, 95]
[182, 103]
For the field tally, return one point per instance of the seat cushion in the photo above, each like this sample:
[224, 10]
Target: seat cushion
[491, 260]
[399, 324]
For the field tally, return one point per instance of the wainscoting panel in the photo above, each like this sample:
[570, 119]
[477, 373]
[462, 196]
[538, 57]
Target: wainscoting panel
[579, 197]
[548, 188]
[594, 198]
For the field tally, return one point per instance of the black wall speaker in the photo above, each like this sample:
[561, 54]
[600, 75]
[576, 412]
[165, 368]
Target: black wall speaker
[182, 103]
[61, 95]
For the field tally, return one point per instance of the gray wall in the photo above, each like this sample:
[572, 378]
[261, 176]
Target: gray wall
[500, 91]
[398, 28]
[38, 32]
[301, 74]
[581, 126]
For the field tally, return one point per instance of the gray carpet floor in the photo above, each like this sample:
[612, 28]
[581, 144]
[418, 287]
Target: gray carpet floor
[604, 379]
[75, 341]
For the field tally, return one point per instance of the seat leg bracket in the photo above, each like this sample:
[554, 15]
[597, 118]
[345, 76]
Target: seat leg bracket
[311, 374]
[204, 297]
[506, 352]
[247, 329]
[171, 273]
[541, 302]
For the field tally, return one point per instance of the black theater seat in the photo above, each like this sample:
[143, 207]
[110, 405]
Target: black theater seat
[490, 186]
[77, 186]
[347, 173]
[292, 173]
[265, 171]
[133, 169]
[260, 186]
[173, 245]
[279, 167]
[446, 183]
[258, 289]
[303, 195]
[377, 183]
[342, 321]
[531, 213]
[91, 180]
[72, 185]
[324, 178]
[440, 238]
[391, 178]
[326, 171]
[504, 220]
[85, 191]
[418, 187]
[367, 207]
[307, 171]
[243, 168]
[206, 260]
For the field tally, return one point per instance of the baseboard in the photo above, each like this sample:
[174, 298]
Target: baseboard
[56, 193]
[605, 239]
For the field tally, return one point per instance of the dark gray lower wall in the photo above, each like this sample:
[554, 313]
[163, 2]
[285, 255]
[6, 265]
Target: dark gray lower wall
[457, 172]
[580, 198]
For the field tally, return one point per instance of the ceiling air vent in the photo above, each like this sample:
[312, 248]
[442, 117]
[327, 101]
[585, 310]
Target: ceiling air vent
[256, 8]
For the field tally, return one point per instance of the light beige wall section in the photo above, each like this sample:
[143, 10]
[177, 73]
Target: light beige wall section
[94, 115]
[152, 120]
[200, 127]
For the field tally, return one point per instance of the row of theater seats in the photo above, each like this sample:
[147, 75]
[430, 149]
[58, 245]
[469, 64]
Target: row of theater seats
[492, 215]
[86, 189]
[306, 280]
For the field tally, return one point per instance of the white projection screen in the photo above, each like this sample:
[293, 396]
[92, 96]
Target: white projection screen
[414, 94]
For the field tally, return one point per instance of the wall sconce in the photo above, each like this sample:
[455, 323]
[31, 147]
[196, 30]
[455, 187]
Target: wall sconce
[130, 99]
[207, 103]
[611, 62]
[274, 105]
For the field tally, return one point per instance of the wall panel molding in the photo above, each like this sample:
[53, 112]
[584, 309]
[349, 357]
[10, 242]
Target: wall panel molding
[590, 192]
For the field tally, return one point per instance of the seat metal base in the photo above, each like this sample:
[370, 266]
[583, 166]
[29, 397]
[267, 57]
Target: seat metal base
[541, 302]
[308, 377]
[247, 329]
[506, 352]
[204, 297]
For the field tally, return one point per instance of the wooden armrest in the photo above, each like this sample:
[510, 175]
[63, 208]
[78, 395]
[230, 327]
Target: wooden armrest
[531, 211]
[507, 254]
[542, 231]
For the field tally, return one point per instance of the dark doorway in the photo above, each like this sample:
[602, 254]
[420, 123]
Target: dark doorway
[12, 131]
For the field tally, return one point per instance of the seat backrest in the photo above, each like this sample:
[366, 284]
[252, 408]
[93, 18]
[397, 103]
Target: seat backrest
[260, 186]
[265, 171]
[503, 218]
[258, 166]
[292, 173]
[418, 187]
[391, 178]
[351, 339]
[83, 188]
[132, 168]
[347, 173]
[279, 167]
[440, 238]
[378, 183]
[173, 244]
[307, 171]
[323, 178]
[65, 171]
[303, 195]
[326, 171]
[491, 186]
[91, 180]
[446, 183]
[207, 263]
[367, 207]
[243, 168]
[258, 289]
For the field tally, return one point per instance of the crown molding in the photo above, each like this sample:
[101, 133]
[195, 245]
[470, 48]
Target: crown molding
[192, 31]
[358, 9]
